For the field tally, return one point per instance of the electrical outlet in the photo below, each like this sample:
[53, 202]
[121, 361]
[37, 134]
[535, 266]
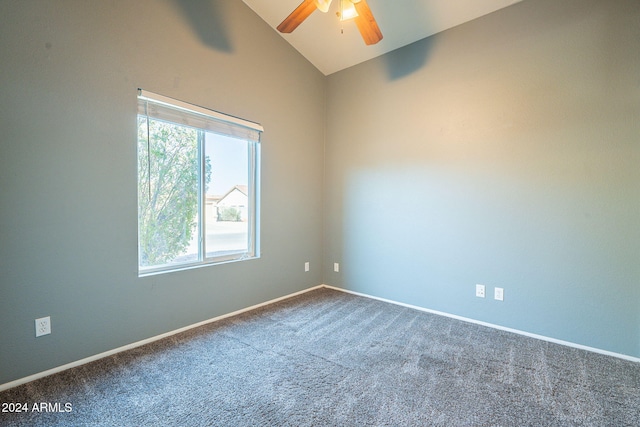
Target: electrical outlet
[336, 267]
[480, 291]
[43, 326]
[498, 293]
[306, 266]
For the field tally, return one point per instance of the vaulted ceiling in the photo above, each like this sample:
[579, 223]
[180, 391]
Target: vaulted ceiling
[332, 45]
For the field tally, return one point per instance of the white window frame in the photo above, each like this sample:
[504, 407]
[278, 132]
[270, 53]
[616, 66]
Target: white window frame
[155, 106]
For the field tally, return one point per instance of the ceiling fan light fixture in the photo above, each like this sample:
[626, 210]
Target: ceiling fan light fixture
[323, 5]
[358, 10]
[347, 10]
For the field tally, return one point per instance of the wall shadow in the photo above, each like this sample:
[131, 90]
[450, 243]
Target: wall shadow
[408, 59]
[207, 21]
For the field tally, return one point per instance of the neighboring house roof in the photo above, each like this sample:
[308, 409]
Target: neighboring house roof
[242, 189]
[216, 198]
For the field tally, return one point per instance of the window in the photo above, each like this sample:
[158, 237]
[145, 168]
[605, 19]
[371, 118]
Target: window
[198, 185]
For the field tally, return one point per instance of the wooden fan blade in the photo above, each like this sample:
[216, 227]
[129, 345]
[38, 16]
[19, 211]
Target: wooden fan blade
[366, 23]
[300, 13]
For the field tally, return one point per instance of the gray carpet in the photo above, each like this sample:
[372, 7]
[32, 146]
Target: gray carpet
[327, 358]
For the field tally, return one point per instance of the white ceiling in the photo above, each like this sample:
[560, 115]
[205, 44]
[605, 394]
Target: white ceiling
[332, 46]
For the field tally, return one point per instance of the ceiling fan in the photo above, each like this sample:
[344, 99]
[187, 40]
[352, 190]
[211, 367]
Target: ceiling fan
[356, 9]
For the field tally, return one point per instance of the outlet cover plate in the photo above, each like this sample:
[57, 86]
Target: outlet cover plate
[498, 293]
[43, 326]
[480, 291]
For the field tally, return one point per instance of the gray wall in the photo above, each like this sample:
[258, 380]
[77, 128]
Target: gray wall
[68, 81]
[505, 151]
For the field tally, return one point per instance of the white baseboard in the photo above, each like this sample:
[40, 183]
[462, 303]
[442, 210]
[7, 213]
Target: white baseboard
[491, 325]
[86, 360]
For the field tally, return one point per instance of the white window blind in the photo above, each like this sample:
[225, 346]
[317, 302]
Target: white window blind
[171, 110]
